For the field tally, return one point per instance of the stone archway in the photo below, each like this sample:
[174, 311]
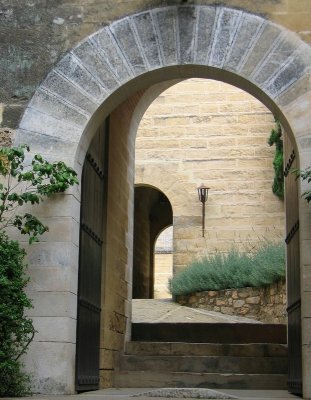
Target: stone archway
[108, 67]
[152, 213]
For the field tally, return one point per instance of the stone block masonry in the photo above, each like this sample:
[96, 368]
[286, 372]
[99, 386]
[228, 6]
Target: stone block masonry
[266, 304]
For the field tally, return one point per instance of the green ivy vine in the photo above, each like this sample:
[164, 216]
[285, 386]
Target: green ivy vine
[276, 139]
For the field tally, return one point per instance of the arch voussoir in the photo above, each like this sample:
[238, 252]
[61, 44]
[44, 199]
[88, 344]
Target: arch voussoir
[231, 40]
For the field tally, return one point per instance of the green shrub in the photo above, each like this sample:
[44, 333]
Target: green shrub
[16, 330]
[232, 270]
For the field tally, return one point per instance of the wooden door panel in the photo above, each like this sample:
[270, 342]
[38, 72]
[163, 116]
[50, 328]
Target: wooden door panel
[293, 271]
[92, 233]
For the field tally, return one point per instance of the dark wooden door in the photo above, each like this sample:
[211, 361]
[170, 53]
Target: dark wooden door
[293, 271]
[92, 238]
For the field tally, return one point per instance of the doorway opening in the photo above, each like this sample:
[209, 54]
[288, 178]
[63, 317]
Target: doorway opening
[152, 213]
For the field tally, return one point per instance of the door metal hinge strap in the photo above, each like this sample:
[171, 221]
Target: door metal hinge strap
[88, 380]
[85, 303]
[294, 306]
[91, 233]
[95, 166]
[289, 163]
[292, 232]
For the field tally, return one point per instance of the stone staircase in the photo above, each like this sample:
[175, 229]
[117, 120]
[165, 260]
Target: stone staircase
[235, 356]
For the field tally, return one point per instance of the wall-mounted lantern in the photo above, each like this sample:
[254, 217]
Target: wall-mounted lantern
[203, 195]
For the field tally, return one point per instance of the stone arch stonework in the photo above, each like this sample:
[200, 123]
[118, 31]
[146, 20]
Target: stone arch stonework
[134, 53]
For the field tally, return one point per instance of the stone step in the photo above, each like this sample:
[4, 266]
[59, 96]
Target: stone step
[203, 364]
[232, 333]
[206, 349]
[152, 379]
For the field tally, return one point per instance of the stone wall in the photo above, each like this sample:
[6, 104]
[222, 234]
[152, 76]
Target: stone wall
[266, 304]
[117, 277]
[205, 131]
[6, 137]
[163, 268]
[36, 34]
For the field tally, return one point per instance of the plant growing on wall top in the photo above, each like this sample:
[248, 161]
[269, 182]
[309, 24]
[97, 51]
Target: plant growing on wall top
[276, 139]
[234, 269]
[21, 185]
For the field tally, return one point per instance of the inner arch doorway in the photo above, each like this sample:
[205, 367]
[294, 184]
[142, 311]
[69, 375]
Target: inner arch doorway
[152, 213]
[90, 82]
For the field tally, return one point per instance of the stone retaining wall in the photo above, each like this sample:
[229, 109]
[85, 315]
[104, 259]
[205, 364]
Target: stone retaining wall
[266, 304]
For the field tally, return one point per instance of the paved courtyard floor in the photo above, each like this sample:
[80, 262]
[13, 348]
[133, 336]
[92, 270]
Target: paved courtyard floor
[142, 394]
[165, 310]
[119, 394]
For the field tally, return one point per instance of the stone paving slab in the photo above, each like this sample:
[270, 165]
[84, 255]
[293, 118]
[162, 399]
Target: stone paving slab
[126, 393]
[119, 394]
[165, 310]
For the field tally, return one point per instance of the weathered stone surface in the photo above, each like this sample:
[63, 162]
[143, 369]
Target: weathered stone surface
[166, 27]
[29, 61]
[225, 30]
[6, 137]
[53, 254]
[53, 304]
[114, 57]
[36, 121]
[238, 303]
[54, 329]
[248, 31]
[56, 84]
[298, 63]
[187, 393]
[257, 53]
[255, 300]
[50, 105]
[78, 75]
[51, 373]
[52, 279]
[277, 58]
[53, 145]
[251, 302]
[94, 61]
[206, 22]
[125, 36]
[187, 17]
[144, 26]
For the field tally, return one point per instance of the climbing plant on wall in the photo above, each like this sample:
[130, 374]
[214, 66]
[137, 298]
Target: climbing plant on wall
[276, 139]
[21, 184]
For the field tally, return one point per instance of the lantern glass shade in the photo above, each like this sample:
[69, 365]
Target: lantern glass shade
[203, 193]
